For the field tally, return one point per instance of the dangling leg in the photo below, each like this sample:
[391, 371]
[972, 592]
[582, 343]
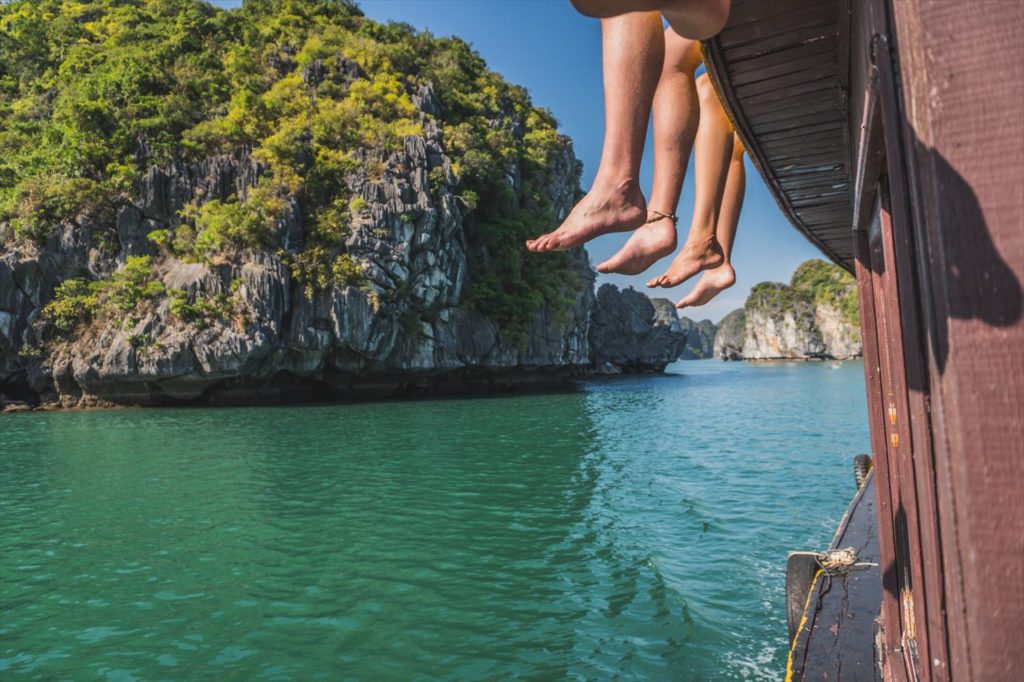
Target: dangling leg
[695, 19]
[714, 151]
[714, 282]
[676, 115]
[633, 51]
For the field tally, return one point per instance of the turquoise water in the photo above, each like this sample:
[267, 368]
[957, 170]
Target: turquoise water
[636, 529]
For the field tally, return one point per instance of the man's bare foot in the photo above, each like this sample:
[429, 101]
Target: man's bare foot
[710, 284]
[648, 244]
[696, 255]
[609, 208]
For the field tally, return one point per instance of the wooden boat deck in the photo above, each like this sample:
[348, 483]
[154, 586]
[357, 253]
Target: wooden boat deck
[835, 639]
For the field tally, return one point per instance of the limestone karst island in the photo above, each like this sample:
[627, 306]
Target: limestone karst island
[486, 340]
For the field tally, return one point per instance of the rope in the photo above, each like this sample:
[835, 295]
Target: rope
[840, 561]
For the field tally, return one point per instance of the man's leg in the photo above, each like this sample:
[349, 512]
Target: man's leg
[676, 115]
[714, 282]
[711, 165]
[696, 19]
[633, 51]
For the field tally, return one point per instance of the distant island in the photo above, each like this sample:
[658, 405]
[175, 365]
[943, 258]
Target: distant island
[815, 316]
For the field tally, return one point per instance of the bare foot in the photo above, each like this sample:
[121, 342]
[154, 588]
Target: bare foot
[697, 255]
[710, 284]
[648, 244]
[612, 208]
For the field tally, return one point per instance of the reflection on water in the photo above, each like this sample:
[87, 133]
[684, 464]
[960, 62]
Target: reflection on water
[637, 528]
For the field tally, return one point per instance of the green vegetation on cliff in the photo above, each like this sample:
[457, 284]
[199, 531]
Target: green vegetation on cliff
[814, 281]
[94, 93]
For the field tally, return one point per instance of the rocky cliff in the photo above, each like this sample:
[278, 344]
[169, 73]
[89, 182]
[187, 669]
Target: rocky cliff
[401, 329]
[700, 338]
[813, 317]
[632, 333]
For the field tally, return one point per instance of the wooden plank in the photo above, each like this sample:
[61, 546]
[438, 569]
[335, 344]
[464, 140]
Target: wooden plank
[795, 91]
[927, 561]
[876, 418]
[825, 46]
[815, 72]
[824, 100]
[832, 127]
[805, 35]
[800, 122]
[912, 585]
[794, 66]
[773, 24]
[797, 142]
[820, 156]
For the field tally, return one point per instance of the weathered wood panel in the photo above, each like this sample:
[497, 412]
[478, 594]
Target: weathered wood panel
[964, 132]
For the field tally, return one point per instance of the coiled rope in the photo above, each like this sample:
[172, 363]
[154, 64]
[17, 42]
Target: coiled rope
[840, 561]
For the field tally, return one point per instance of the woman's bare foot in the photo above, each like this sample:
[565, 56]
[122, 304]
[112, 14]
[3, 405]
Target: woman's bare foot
[711, 284]
[648, 244]
[613, 208]
[703, 253]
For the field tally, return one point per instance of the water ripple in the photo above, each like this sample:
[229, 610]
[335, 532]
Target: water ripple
[635, 529]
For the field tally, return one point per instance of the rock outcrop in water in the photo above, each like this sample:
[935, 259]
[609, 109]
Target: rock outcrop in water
[700, 338]
[343, 340]
[632, 333]
[813, 317]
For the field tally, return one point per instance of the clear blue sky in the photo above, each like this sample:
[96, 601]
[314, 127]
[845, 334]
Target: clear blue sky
[545, 46]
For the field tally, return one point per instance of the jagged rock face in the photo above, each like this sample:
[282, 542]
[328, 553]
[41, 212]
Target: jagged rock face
[729, 338]
[700, 338]
[344, 339]
[789, 333]
[841, 339]
[802, 331]
[632, 333]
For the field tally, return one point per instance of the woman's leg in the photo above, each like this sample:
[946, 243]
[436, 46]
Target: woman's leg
[633, 52]
[711, 165]
[696, 19]
[676, 115]
[714, 282]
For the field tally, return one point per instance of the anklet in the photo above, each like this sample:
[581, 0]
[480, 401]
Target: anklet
[658, 215]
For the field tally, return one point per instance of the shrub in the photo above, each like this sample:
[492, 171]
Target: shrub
[74, 301]
[78, 301]
[201, 311]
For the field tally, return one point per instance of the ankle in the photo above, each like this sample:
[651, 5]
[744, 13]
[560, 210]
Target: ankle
[699, 238]
[614, 183]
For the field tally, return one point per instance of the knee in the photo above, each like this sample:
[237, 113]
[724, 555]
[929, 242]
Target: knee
[737, 146]
[705, 90]
[681, 54]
